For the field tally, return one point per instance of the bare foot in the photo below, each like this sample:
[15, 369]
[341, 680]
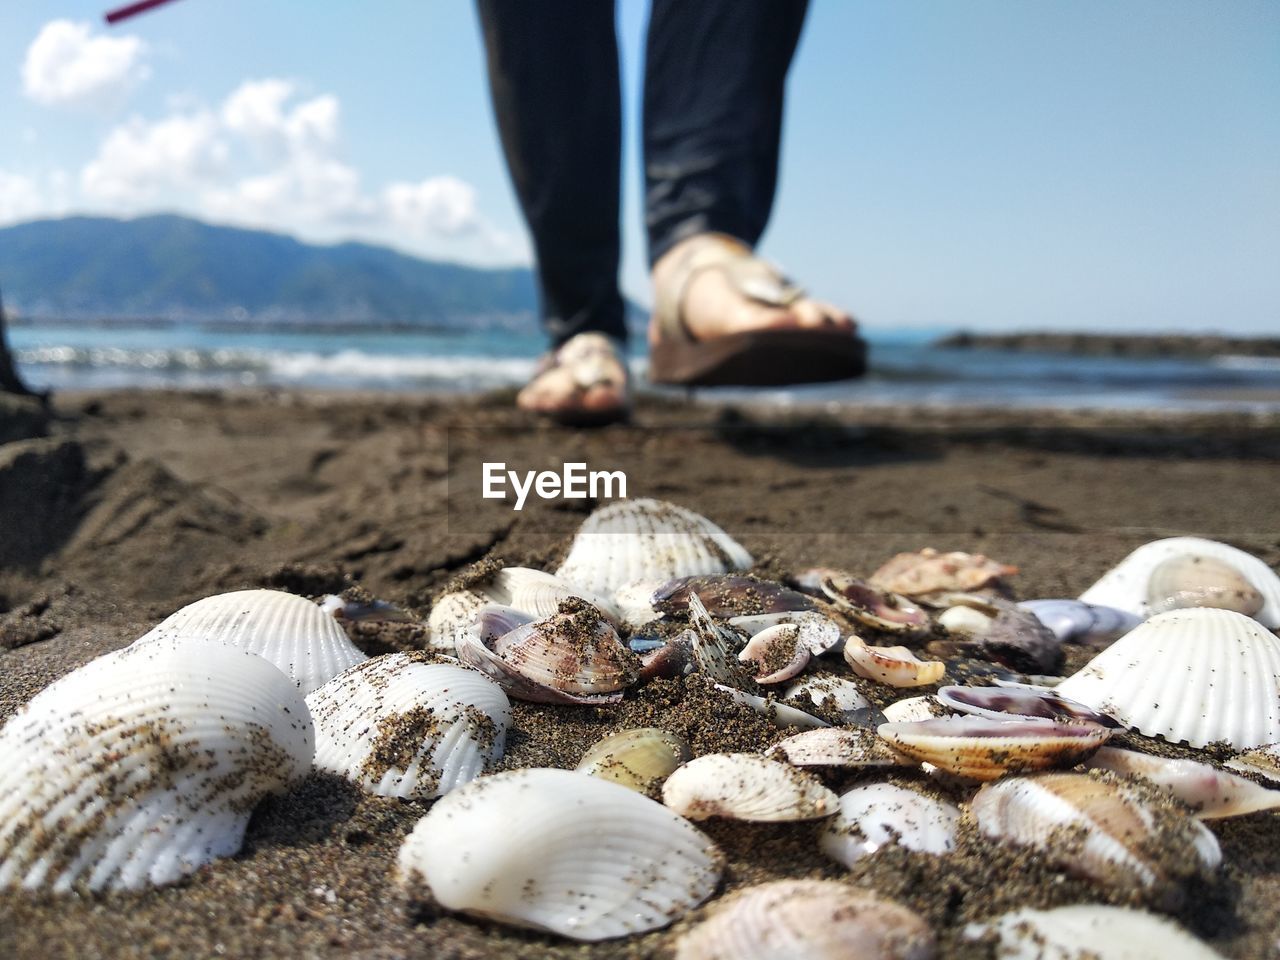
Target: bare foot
[584, 381]
[711, 307]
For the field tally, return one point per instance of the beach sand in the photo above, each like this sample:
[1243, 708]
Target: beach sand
[139, 502]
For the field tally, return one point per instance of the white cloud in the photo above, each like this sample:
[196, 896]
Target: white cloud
[20, 198]
[67, 66]
[138, 161]
[440, 205]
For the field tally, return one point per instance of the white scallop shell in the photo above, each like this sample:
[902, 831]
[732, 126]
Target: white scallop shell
[645, 539]
[451, 619]
[1209, 792]
[745, 786]
[539, 593]
[145, 764]
[881, 814]
[634, 602]
[807, 920]
[1125, 585]
[1197, 675]
[399, 727]
[1102, 933]
[308, 644]
[560, 851]
[834, 692]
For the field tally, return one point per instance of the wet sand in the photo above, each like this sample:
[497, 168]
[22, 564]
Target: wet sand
[137, 503]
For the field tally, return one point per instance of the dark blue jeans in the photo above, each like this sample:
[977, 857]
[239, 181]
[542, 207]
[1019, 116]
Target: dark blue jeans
[713, 90]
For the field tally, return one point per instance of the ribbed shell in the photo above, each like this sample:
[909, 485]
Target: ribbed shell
[875, 816]
[647, 540]
[808, 920]
[399, 727]
[538, 593]
[1211, 793]
[980, 749]
[1125, 585]
[145, 764]
[639, 759]
[560, 851]
[451, 618]
[1095, 931]
[308, 644]
[746, 786]
[1196, 675]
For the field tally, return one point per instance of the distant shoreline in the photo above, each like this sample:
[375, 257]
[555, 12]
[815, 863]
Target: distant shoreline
[1115, 345]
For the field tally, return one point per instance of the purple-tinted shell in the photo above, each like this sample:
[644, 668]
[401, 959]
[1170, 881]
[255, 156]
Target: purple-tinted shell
[1004, 703]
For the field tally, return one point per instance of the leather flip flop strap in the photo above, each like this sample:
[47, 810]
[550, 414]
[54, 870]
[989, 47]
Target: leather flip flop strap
[749, 275]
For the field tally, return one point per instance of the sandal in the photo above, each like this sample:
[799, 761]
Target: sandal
[590, 359]
[756, 358]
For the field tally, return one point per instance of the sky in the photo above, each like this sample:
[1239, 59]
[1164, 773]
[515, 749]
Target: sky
[993, 164]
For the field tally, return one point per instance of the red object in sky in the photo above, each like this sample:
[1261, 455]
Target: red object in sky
[133, 9]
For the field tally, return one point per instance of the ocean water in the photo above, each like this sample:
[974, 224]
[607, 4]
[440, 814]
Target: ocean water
[906, 367]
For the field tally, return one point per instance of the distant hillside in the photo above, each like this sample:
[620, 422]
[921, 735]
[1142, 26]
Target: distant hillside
[85, 268]
[1116, 345]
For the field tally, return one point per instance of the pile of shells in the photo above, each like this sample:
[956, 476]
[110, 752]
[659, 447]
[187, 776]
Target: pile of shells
[922, 713]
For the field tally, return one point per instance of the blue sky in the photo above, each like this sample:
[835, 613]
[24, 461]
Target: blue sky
[1091, 164]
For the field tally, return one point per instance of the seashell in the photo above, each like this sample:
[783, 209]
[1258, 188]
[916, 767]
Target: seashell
[581, 857]
[645, 539]
[1001, 631]
[451, 617]
[145, 764]
[293, 633]
[980, 749]
[965, 620]
[780, 713]
[573, 656]
[539, 593]
[1210, 793]
[746, 786]
[367, 610]
[778, 653]
[634, 602]
[1127, 586]
[1263, 762]
[874, 607]
[714, 647]
[833, 747]
[895, 666]
[810, 919]
[928, 571]
[400, 727]
[834, 693]
[1111, 933]
[1007, 701]
[881, 814]
[1080, 622]
[729, 595]
[1197, 675]
[914, 708]
[638, 759]
[818, 632]
[1188, 580]
[1102, 830]
[672, 658]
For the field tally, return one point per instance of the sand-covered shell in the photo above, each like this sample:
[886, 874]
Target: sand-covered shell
[980, 749]
[779, 713]
[895, 666]
[872, 606]
[911, 709]
[645, 539]
[1090, 930]
[808, 920]
[1080, 622]
[1263, 762]
[730, 595]
[639, 759]
[573, 656]
[929, 571]
[452, 616]
[1106, 831]
[818, 632]
[835, 693]
[835, 747]
[539, 593]
[145, 764]
[777, 653]
[1209, 792]
[881, 814]
[745, 786]
[1009, 701]
[293, 633]
[1129, 585]
[1197, 675]
[560, 851]
[400, 727]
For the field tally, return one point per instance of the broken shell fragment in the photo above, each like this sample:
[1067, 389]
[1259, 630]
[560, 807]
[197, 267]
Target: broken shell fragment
[714, 647]
[1210, 793]
[638, 759]
[809, 919]
[817, 632]
[745, 786]
[929, 571]
[145, 764]
[584, 858]
[293, 633]
[881, 814]
[1007, 701]
[779, 713]
[645, 539]
[1196, 675]
[1110, 933]
[834, 747]
[834, 693]
[450, 619]
[1105, 831]
[874, 607]
[400, 727]
[895, 666]
[729, 595]
[914, 708]
[976, 748]
[777, 652]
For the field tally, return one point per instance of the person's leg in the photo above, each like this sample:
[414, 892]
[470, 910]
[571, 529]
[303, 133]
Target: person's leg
[713, 98]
